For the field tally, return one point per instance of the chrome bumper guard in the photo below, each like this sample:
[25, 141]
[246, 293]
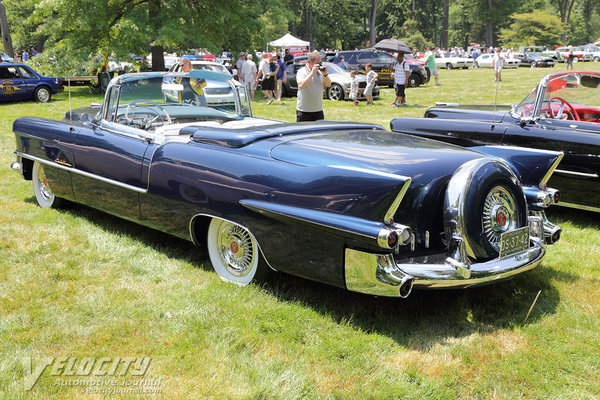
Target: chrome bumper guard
[380, 274]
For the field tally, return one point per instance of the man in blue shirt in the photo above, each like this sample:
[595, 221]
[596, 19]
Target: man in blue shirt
[343, 64]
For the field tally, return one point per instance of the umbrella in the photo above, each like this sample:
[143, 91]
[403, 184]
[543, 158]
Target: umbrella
[393, 45]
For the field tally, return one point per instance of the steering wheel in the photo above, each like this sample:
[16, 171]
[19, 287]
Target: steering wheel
[147, 122]
[563, 104]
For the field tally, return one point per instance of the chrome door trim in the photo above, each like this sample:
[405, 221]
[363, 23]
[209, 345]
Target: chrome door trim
[83, 173]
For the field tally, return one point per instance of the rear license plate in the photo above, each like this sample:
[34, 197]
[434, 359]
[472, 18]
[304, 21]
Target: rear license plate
[514, 241]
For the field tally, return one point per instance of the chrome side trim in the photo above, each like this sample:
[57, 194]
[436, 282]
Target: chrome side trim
[83, 173]
[578, 206]
[551, 170]
[193, 237]
[581, 174]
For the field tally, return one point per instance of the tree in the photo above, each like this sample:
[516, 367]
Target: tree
[84, 28]
[564, 8]
[536, 28]
[372, 20]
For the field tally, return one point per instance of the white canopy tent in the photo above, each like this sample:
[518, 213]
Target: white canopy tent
[288, 40]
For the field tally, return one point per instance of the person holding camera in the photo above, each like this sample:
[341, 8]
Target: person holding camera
[311, 81]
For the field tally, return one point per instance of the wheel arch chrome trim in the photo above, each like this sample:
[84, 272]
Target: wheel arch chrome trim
[211, 216]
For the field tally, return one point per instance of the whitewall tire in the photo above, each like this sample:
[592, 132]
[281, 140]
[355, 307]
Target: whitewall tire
[41, 188]
[234, 252]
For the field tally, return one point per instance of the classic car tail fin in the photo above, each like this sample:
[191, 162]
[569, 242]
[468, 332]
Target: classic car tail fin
[533, 167]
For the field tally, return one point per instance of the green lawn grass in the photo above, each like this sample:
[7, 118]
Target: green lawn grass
[76, 282]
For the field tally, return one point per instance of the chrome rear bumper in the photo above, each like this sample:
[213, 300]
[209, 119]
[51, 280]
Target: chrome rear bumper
[379, 274]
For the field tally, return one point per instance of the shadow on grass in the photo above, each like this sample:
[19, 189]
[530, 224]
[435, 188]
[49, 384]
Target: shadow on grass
[419, 322]
[581, 219]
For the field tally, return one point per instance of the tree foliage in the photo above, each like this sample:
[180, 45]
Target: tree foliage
[535, 28]
[73, 32]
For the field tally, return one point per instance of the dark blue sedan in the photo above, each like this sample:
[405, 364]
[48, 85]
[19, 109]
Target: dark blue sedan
[21, 82]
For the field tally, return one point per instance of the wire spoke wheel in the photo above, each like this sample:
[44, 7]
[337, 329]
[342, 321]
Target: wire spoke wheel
[500, 215]
[233, 252]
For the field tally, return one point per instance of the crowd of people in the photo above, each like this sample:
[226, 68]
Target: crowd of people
[24, 55]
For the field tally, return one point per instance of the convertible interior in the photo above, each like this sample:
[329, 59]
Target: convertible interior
[573, 97]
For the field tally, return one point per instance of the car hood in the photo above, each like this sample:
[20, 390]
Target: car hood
[344, 77]
[428, 163]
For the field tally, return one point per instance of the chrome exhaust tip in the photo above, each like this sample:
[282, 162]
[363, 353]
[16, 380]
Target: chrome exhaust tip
[406, 287]
[551, 233]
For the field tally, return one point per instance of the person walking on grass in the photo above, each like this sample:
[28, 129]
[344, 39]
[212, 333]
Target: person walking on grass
[400, 75]
[249, 74]
[498, 64]
[267, 82]
[371, 79]
[570, 59]
[354, 88]
[431, 65]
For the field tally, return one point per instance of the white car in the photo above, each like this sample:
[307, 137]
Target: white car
[448, 61]
[485, 61]
[203, 65]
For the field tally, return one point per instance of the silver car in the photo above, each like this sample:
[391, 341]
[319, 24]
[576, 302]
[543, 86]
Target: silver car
[340, 82]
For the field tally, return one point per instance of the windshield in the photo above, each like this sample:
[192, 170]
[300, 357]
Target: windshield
[574, 96]
[334, 69]
[147, 101]
[525, 108]
[210, 67]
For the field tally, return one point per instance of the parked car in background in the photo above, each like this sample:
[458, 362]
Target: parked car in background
[485, 61]
[594, 53]
[382, 64]
[340, 82]
[448, 61]
[346, 204]
[533, 60]
[6, 58]
[202, 65]
[21, 82]
[578, 53]
[561, 113]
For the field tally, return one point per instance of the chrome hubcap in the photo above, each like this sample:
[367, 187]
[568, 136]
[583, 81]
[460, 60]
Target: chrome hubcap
[499, 215]
[335, 93]
[45, 190]
[236, 249]
[43, 95]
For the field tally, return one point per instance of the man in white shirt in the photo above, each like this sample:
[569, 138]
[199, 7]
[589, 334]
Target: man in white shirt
[401, 74]
[498, 64]
[249, 74]
[311, 80]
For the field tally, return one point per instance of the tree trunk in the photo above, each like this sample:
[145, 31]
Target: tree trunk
[158, 57]
[445, 19]
[6, 39]
[372, 18]
[489, 27]
[309, 14]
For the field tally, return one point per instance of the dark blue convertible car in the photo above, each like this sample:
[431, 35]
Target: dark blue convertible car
[348, 204]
